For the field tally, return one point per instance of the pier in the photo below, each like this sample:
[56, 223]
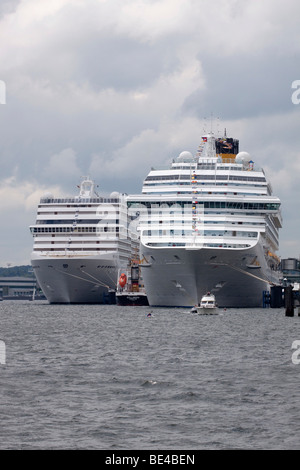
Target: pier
[287, 297]
[288, 293]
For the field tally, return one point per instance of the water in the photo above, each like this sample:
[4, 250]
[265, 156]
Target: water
[109, 377]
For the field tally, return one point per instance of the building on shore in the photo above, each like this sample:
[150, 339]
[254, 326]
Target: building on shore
[17, 288]
[290, 268]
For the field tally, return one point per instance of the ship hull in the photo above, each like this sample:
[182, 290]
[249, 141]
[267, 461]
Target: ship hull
[132, 299]
[68, 280]
[180, 277]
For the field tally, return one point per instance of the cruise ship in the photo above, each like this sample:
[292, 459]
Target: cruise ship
[209, 222]
[80, 243]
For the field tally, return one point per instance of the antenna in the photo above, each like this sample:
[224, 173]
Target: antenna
[218, 128]
[205, 126]
[211, 119]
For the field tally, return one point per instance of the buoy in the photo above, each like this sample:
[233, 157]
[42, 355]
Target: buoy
[122, 280]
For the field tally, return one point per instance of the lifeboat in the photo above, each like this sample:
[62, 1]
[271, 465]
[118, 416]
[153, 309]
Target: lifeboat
[122, 280]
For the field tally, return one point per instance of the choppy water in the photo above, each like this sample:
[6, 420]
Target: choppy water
[109, 377]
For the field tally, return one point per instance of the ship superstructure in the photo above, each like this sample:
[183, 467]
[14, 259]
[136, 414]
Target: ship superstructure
[80, 243]
[209, 222]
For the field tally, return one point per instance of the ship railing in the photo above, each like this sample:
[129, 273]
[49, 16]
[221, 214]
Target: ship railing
[197, 245]
[200, 238]
[70, 254]
[97, 200]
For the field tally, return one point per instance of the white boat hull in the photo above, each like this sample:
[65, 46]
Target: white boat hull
[207, 311]
[70, 280]
[179, 277]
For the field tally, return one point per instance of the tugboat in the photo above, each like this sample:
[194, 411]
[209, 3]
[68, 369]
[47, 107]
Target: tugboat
[130, 290]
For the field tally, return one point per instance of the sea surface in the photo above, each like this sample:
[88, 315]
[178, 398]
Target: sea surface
[113, 378]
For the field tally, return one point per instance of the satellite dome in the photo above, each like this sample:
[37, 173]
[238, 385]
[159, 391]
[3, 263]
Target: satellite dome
[243, 157]
[114, 195]
[185, 155]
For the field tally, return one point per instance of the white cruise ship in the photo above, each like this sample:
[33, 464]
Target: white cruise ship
[208, 223]
[80, 243]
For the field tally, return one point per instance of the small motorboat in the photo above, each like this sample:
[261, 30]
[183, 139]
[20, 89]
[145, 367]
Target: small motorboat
[208, 305]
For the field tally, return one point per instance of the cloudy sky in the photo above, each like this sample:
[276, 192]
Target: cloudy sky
[109, 88]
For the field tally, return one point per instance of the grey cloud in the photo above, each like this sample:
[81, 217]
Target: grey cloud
[110, 88]
[8, 6]
[245, 86]
[123, 63]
